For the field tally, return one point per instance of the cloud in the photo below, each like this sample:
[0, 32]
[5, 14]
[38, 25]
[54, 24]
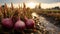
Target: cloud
[19, 1]
[44, 5]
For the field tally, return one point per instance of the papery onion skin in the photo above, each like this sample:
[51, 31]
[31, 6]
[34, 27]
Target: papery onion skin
[7, 22]
[19, 25]
[30, 23]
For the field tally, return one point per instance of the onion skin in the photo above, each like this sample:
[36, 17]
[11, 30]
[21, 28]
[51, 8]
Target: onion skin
[7, 22]
[30, 23]
[19, 25]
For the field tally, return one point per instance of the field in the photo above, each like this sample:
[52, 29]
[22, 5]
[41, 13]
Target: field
[50, 13]
[6, 12]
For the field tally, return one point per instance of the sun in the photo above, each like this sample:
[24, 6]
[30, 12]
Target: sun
[31, 5]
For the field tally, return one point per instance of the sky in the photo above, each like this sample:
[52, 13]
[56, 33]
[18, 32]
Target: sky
[19, 1]
[44, 3]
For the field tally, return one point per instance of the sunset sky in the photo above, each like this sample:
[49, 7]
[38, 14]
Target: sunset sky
[44, 3]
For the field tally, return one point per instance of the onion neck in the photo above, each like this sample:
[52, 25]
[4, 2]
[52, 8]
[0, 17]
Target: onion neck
[26, 18]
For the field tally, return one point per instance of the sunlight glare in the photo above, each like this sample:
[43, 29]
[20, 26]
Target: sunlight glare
[31, 5]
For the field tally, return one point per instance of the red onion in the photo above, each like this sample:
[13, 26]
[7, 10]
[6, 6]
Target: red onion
[29, 23]
[7, 22]
[19, 25]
